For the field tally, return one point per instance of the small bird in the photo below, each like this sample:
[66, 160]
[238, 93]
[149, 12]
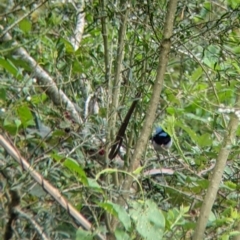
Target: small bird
[161, 140]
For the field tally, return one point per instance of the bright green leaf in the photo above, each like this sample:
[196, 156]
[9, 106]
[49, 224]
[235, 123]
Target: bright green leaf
[3, 94]
[25, 25]
[197, 74]
[121, 235]
[138, 170]
[25, 115]
[122, 215]
[149, 220]
[10, 126]
[109, 208]
[73, 165]
[82, 234]
[10, 67]
[38, 98]
[92, 183]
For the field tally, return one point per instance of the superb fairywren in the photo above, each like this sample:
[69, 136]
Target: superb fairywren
[161, 140]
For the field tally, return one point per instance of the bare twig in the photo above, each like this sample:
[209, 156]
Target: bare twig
[118, 65]
[51, 190]
[21, 18]
[36, 226]
[78, 32]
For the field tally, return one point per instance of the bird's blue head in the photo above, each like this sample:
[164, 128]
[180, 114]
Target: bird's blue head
[161, 139]
[158, 130]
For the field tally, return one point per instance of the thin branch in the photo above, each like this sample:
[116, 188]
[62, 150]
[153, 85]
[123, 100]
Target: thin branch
[44, 79]
[35, 225]
[20, 19]
[151, 111]
[118, 65]
[78, 32]
[51, 190]
[217, 176]
[105, 42]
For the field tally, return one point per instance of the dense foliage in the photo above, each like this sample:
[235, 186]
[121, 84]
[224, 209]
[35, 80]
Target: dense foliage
[198, 98]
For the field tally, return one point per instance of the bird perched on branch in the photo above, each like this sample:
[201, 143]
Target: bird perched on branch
[161, 140]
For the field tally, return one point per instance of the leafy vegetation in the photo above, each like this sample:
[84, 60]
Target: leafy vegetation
[70, 72]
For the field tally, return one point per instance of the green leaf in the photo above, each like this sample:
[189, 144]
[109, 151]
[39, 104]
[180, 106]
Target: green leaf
[17, 122]
[122, 216]
[154, 215]
[68, 46]
[138, 170]
[230, 185]
[109, 208]
[10, 126]
[57, 157]
[25, 115]
[25, 25]
[92, 183]
[73, 165]
[204, 140]
[38, 98]
[233, 3]
[197, 74]
[203, 183]
[211, 219]
[190, 132]
[10, 67]
[149, 220]
[82, 234]
[3, 94]
[234, 233]
[121, 235]
[195, 117]
[107, 170]
[211, 56]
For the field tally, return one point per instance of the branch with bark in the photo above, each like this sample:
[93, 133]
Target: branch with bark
[43, 79]
[217, 176]
[152, 108]
[51, 190]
